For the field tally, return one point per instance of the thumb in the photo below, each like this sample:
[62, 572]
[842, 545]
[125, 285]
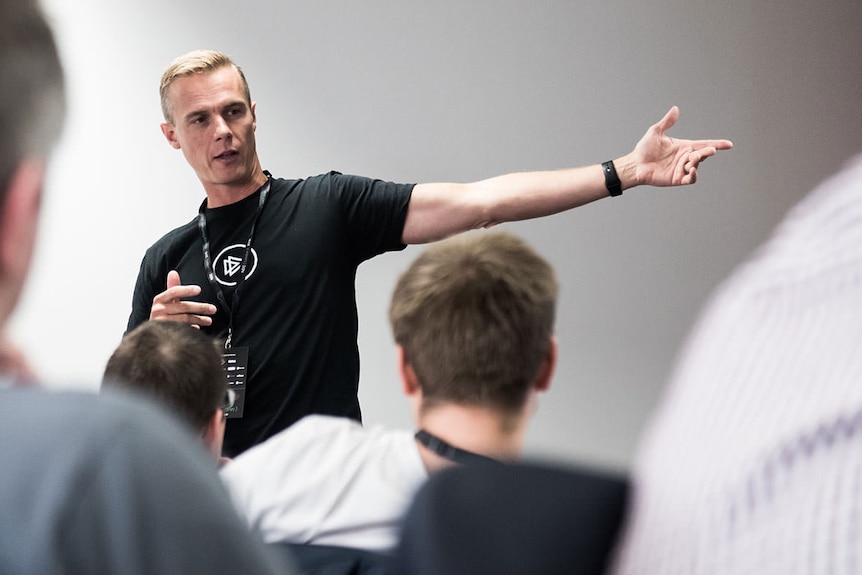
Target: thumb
[668, 121]
[173, 279]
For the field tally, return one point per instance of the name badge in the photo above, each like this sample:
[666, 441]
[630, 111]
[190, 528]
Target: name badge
[235, 361]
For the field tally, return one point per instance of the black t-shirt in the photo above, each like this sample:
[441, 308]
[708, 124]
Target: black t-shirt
[297, 307]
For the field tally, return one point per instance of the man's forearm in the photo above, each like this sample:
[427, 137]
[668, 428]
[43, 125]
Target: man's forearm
[440, 210]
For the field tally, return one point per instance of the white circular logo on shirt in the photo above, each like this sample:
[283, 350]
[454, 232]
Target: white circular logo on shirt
[229, 261]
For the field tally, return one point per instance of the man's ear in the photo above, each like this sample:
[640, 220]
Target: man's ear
[19, 217]
[409, 382]
[170, 133]
[549, 364]
[410, 385]
[254, 116]
[214, 432]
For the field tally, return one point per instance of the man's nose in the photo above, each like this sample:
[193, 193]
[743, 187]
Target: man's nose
[222, 130]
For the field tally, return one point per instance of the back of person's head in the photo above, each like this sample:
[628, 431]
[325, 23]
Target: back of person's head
[190, 64]
[475, 316]
[32, 109]
[174, 363]
[32, 88]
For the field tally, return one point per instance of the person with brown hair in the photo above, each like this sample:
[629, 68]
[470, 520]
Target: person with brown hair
[181, 368]
[473, 321]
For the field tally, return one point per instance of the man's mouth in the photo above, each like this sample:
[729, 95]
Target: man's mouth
[227, 154]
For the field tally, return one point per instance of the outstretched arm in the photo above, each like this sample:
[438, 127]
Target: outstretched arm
[442, 209]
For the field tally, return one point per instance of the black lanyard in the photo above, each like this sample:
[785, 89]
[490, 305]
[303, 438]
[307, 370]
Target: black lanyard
[454, 454]
[208, 265]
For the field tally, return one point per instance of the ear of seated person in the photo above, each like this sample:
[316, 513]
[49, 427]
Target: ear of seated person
[472, 319]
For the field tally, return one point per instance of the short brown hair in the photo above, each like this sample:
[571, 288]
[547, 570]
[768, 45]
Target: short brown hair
[174, 363]
[191, 63]
[474, 315]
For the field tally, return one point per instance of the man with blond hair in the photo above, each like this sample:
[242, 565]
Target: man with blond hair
[269, 264]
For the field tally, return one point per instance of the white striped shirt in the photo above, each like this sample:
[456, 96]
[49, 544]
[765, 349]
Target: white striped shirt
[753, 461]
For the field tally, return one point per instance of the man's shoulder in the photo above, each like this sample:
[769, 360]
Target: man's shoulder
[325, 428]
[321, 438]
[312, 429]
[324, 180]
[78, 433]
[77, 414]
[185, 232]
[90, 461]
[333, 180]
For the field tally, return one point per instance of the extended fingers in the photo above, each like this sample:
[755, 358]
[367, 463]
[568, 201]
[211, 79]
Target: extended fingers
[170, 305]
[718, 144]
[178, 292]
[193, 320]
[197, 320]
[694, 157]
[196, 315]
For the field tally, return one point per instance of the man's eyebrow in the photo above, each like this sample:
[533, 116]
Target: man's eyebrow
[235, 104]
[238, 103]
[194, 114]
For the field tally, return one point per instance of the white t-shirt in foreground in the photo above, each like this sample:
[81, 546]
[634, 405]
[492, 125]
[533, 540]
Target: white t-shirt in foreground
[328, 481]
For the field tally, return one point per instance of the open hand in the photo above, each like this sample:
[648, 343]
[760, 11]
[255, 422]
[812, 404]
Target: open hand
[170, 305]
[661, 160]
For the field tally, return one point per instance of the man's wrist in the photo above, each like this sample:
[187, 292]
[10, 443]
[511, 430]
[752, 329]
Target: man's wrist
[612, 180]
[627, 171]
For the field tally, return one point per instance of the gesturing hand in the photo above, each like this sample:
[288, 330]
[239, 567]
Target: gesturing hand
[169, 304]
[664, 161]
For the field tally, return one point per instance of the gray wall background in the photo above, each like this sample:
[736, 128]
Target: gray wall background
[461, 90]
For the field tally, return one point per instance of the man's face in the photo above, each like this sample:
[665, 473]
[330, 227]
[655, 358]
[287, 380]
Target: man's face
[214, 126]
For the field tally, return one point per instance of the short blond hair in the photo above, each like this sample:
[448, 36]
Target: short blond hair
[191, 63]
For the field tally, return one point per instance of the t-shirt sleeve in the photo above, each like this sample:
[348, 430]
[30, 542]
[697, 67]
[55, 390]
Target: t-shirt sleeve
[374, 210]
[142, 296]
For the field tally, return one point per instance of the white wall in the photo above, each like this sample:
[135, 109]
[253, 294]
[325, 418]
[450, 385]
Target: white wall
[460, 90]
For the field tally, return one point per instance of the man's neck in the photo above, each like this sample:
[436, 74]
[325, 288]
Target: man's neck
[474, 429]
[219, 195]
